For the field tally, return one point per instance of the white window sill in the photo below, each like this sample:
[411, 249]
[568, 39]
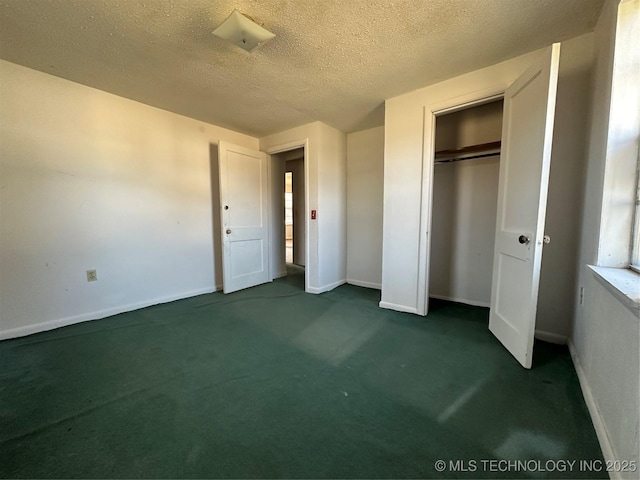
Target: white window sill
[623, 283]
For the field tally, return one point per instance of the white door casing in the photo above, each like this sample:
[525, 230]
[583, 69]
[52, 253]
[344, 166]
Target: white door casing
[527, 130]
[244, 217]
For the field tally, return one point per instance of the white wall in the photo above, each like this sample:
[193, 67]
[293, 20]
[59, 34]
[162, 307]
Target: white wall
[276, 217]
[606, 356]
[465, 196]
[365, 165]
[558, 282]
[605, 332]
[325, 157]
[470, 126]
[89, 180]
[332, 208]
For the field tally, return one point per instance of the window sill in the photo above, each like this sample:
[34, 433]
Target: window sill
[623, 283]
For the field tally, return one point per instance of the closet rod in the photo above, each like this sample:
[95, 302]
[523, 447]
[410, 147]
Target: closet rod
[472, 157]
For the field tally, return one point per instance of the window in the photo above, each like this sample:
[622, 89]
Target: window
[627, 71]
[619, 243]
[618, 252]
[635, 238]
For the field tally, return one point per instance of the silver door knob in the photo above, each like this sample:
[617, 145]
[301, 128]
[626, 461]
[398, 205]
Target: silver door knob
[523, 239]
[546, 239]
[228, 231]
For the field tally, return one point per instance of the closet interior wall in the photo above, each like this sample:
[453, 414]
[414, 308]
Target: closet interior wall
[465, 196]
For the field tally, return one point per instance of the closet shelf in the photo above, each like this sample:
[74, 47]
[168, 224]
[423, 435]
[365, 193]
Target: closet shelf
[467, 153]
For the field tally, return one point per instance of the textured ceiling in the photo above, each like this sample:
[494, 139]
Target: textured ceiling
[332, 60]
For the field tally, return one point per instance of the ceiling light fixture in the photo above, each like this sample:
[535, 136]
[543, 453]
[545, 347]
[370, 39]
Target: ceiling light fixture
[243, 32]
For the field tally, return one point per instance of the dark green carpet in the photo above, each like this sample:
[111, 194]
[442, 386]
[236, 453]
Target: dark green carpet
[272, 382]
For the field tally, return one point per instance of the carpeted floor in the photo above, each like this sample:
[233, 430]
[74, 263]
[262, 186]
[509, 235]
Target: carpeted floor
[271, 382]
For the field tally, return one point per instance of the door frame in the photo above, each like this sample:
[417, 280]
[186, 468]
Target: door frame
[285, 147]
[449, 105]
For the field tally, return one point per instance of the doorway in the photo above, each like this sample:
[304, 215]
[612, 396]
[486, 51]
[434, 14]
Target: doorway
[289, 218]
[295, 216]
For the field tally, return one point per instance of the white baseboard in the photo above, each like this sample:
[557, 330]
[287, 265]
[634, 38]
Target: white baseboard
[326, 288]
[475, 303]
[397, 308]
[280, 275]
[594, 411]
[86, 317]
[551, 337]
[361, 283]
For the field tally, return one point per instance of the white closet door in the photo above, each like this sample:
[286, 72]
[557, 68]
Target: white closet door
[529, 108]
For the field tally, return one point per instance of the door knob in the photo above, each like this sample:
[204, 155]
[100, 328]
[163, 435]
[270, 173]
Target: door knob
[523, 239]
[226, 207]
[546, 239]
[228, 231]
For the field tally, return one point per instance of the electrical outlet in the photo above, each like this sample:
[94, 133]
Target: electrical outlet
[92, 275]
[581, 296]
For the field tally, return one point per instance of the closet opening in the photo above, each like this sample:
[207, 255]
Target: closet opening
[464, 204]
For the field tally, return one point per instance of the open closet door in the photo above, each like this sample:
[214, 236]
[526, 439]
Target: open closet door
[244, 217]
[527, 128]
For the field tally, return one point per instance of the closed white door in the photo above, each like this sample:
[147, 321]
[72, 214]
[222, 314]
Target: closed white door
[244, 217]
[529, 108]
